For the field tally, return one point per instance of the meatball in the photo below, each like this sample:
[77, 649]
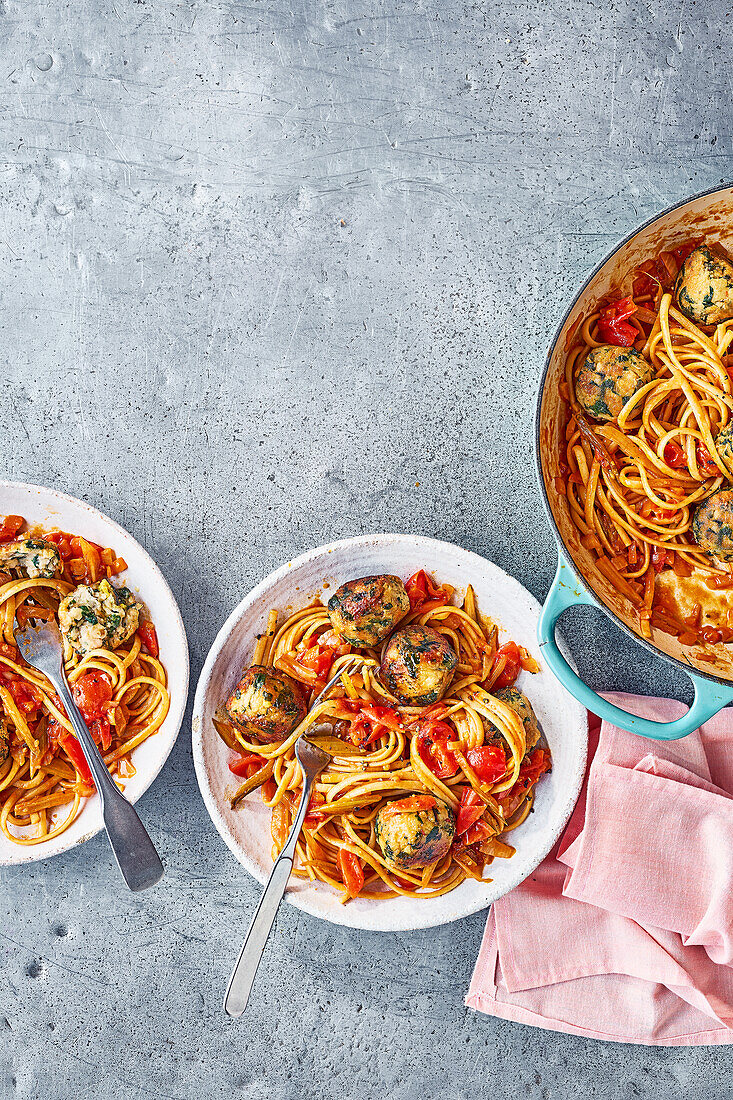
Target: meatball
[521, 705]
[364, 611]
[610, 377]
[34, 557]
[267, 704]
[712, 526]
[415, 831]
[417, 666]
[724, 445]
[97, 615]
[704, 287]
[4, 740]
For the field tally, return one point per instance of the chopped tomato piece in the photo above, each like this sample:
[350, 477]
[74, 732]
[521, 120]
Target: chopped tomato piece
[91, 693]
[351, 872]
[313, 664]
[674, 456]
[469, 811]
[317, 658]
[432, 747]
[101, 731]
[411, 804]
[421, 588]
[708, 467]
[535, 764]
[63, 542]
[313, 815]
[477, 832]
[73, 750]
[511, 658]
[27, 697]
[246, 766]
[149, 637]
[613, 328]
[368, 720]
[10, 527]
[87, 560]
[489, 762]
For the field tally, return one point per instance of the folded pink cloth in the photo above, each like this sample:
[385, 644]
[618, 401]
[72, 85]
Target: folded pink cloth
[625, 932]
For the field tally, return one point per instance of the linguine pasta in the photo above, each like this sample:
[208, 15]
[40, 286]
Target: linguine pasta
[122, 693]
[409, 751]
[633, 482]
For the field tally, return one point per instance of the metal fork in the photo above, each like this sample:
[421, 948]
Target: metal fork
[133, 849]
[312, 760]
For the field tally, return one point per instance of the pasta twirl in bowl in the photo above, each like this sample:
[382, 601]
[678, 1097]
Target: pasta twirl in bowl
[390, 719]
[125, 655]
[634, 454]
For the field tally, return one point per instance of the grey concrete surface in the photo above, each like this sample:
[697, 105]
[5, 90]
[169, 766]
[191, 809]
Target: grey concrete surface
[275, 274]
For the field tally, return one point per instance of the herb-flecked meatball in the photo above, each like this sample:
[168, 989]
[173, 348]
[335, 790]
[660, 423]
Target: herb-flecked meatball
[33, 557]
[609, 378]
[704, 287]
[521, 705]
[415, 831]
[97, 615]
[712, 526]
[267, 704]
[363, 612]
[724, 445]
[417, 666]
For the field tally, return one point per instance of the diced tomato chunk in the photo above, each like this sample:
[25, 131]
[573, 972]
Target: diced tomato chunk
[245, 766]
[351, 872]
[432, 747]
[422, 589]
[73, 750]
[613, 328]
[149, 637]
[510, 657]
[489, 762]
[469, 811]
[10, 527]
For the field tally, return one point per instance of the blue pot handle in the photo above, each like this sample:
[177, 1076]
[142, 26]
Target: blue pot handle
[567, 592]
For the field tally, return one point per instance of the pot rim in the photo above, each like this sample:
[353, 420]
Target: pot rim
[685, 667]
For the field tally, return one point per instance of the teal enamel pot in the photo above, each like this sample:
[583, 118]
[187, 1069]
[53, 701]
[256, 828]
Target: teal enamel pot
[710, 667]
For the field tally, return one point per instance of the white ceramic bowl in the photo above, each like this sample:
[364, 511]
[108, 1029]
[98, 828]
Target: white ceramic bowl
[57, 511]
[246, 830]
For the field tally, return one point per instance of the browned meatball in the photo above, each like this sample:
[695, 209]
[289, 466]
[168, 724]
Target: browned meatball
[364, 611]
[267, 704]
[704, 288]
[417, 666]
[712, 525]
[415, 832]
[609, 377]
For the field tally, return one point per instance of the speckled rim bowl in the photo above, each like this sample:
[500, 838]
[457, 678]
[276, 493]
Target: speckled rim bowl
[316, 574]
[56, 510]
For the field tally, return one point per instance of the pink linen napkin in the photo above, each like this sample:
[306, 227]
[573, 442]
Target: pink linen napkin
[625, 931]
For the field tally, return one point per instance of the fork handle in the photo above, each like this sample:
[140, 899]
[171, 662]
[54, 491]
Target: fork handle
[243, 975]
[133, 849]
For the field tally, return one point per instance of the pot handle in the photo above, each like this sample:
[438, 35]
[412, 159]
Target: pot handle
[566, 591]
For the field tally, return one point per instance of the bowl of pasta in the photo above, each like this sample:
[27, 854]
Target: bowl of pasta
[634, 446]
[125, 656]
[456, 758]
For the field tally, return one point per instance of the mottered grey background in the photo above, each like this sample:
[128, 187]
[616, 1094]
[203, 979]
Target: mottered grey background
[273, 274]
